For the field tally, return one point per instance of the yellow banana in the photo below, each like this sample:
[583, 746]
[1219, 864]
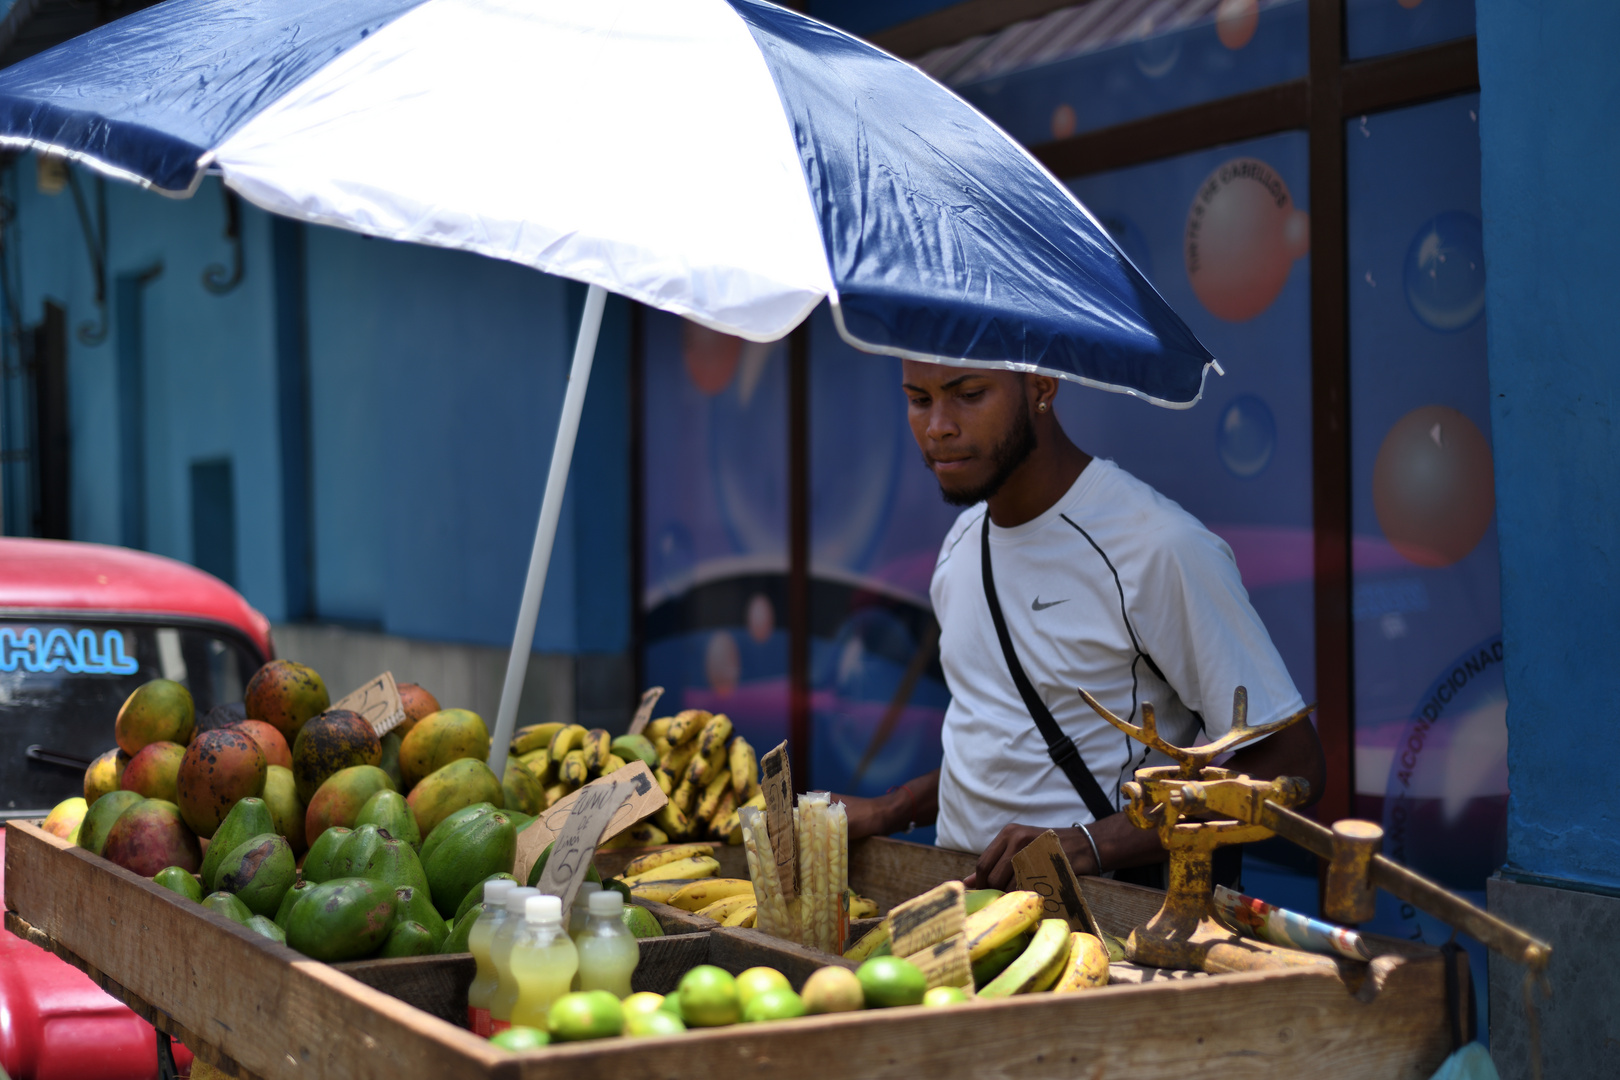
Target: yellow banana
[661, 747]
[863, 949]
[555, 794]
[612, 764]
[572, 769]
[678, 759]
[653, 859]
[711, 797]
[670, 818]
[700, 894]
[723, 809]
[568, 737]
[658, 729]
[658, 891]
[534, 737]
[684, 798]
[744, 767]
[1086, 966]
[597, 746]
[696, 866]
[542, 754]
[666, 782]
[1037, 967]
[743, 915]
[714, 734]
[704, 768]
[687, 725]
[998, 922]
[862, 908]
[641, 834]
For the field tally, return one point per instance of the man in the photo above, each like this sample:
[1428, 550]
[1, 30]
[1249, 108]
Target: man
[1103, 584]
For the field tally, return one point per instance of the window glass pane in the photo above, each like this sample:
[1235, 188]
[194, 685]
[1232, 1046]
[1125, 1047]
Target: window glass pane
[1223, 235]
[1431, 734]
[1110, 61]
[876, 524]
[1376, 27]
[715, 506]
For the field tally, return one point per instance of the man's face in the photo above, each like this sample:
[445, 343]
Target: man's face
[974, 427]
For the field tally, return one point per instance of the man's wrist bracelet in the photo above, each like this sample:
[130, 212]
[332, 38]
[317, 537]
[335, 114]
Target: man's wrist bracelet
[1096, 856]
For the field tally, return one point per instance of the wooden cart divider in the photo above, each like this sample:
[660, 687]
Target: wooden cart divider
[261, 1010]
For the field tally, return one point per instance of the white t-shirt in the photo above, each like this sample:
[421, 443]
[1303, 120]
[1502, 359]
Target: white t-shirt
[1111, 574]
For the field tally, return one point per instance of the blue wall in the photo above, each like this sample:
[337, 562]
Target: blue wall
[436, 378]
[1551, 221]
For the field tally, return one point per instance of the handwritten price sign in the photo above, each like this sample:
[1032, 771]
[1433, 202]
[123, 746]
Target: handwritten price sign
[643, 796]
[377, 701]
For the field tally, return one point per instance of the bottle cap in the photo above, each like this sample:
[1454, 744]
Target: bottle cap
[606, 902]
[516, 898]
[587, 889]
[495, 891]
[542, 909]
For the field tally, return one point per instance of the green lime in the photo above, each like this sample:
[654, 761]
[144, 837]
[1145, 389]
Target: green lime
[833, 990]
[585, 1014]
[672, 1005]
[520, 1038]
[179, 880]
[888, 981]
[640, 922]
[780, 1003]
[657, 1022]
[757, 980]
[640, 1003]
[944, 995]
[709, 997]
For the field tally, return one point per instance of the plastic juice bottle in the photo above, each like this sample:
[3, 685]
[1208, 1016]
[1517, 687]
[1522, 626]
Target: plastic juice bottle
[500, 954]
[608, 951]
[543, 960]
[579, 912]
[478, 941]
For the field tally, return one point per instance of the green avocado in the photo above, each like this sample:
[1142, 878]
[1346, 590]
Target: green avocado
[323, 853]
[250, 817]
[415, 905]
[475, 895]
[471, 852]
[389, 812]
[228, 906]
[341, 919]
[456, 942]
[259, 873]
[450, 824]
[408, 938]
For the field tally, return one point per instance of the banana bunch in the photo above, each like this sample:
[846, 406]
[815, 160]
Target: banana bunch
[707, 771]
[564, 757]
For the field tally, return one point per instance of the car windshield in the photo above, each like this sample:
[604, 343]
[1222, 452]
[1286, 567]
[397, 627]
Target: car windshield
[62, 681]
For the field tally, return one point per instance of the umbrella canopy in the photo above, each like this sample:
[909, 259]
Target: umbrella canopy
[726, 160]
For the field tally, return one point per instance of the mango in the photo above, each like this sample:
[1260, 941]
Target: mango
[105, 774]
[285, 695]
[288, 899]
[418, 703]
[479, 847]
[460, 784]
[259, 873]
[150, 836]
[323, 853]
[270, 740]
[266, 928]
[408, 938]
[98, 820]
[154, 771]
[281, 796]
[228, 906]
[417, 906]
[180, 882]
[158, 711]
[341, 919]
[249, 818]
[437, 740]
[329, 743]
[341, 797]
[389, 811]
[521, 790]
[390, 758]
[228, 715]
[65, 818]
[220, 768]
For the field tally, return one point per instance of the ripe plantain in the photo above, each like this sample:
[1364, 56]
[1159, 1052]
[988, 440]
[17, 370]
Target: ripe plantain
[862, 908]
[695, 866]
[700, 894]
[678, 759]
[743, 915]
[686, 726]
[658, 891]
[654, 859]
[1000, 921]
[556, 793]
[714, 735]
[744, 767]
[685, 797]
[535, 737]
[723, 906]
[710, 801]
[669, 818]
[568, 737]
[641, 834]
[724, 809]
[612, 764]
[864, 949]
[703, 768]
[598, 744]
[572, 771]
[666, 782]
[658, 729]
[1038, 966]
[1086, 966]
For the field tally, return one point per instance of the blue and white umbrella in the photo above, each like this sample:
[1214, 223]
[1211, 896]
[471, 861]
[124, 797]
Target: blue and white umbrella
[726, 160]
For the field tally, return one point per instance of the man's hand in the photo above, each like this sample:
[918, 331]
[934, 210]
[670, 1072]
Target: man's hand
[995, 869]
[916, 802]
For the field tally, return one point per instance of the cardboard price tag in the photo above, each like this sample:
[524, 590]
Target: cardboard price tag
[377, 701]
[776, 781]
[649, 698]
[571, 854]
[645, 797]
[1044, 869]
[927, 919]
[945, 963]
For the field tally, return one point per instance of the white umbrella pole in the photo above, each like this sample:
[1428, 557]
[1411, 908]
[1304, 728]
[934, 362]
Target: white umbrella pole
[562, 455]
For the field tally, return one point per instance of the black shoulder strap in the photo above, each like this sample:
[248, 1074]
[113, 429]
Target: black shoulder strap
[1064, 753]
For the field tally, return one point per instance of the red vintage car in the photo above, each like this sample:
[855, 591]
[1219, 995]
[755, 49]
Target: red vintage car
[81, 626]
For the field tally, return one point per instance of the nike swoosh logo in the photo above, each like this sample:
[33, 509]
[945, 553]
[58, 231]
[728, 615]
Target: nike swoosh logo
[1038, 606]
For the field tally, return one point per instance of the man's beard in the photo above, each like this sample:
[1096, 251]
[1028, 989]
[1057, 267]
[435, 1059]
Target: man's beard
[1005, 458]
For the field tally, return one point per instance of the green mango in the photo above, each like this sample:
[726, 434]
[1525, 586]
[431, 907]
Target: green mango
[415, 905]
[99, 819]
[475, 895]
[408, 938]
[456, 942]
[292, 896]
[451, 824]
[388, 811]
[539, 866]
[177, 879]
[250, 817]
[479, 847]
[228, 906]
[341, 919]
[259, 873]
[323, 853]
[265, 928]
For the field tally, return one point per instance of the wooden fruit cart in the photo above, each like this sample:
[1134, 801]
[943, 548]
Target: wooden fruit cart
[258, 1009]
